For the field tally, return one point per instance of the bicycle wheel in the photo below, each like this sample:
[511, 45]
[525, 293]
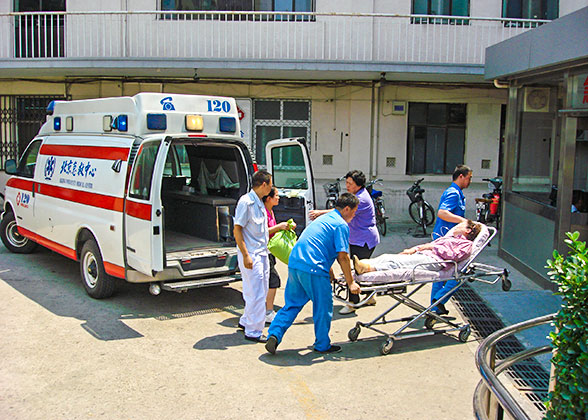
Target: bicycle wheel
[429, 214]
[413, 211]
[330, 204]
[380, 218]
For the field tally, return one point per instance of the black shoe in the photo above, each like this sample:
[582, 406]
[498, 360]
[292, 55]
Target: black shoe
[261, 339]
[333, 349]
[441, 309]
[241, 326]
[272, 344]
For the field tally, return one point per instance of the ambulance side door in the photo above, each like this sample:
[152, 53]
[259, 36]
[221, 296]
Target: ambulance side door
[143, 210]
[288, 160]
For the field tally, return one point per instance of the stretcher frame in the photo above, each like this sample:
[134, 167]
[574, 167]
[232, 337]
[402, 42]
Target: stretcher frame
[399, 291]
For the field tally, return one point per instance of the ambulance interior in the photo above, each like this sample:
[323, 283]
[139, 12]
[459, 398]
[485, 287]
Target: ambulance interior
[199, 191]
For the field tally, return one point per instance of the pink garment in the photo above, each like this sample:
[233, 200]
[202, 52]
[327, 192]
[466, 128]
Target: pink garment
[454, 248]
[271, 220]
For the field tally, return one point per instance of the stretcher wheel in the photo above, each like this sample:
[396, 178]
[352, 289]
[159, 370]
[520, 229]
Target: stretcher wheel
[506, 284]
[387, 346]
[354, 333]
[430, 322]
[464, 333]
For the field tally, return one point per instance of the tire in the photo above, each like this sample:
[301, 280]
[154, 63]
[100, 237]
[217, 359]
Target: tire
[97, 283]
[430, 322]
[464, 333]
[386, 346]
[13, 240]
[413, 211]
[330, 204]
[380, 218]
[353, 333]
[429, 214]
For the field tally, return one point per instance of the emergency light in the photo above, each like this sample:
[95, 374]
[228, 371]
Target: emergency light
[57, 123]
[194, 123]
[121, 123]
[156, 121]
[50, 108]
[227, 124]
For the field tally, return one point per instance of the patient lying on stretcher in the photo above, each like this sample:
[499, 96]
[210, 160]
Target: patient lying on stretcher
[457, 246]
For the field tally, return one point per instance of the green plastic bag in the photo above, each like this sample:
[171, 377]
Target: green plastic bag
[281, 244]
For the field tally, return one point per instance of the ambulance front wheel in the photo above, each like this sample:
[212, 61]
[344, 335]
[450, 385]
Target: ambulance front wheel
[97, 283]
[13, 240]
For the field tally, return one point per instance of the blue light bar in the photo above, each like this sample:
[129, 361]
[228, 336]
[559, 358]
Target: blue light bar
[50, 108]
[156, 121]
[120, 123]
[57, 123]
[227, 124]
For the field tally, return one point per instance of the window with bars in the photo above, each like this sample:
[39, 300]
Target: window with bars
[237, 6]
[436, 137]
[529, 9]
[278, 119]
[443, 8]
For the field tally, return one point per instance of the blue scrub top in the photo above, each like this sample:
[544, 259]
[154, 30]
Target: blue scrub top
[320, 243]
[452, 200]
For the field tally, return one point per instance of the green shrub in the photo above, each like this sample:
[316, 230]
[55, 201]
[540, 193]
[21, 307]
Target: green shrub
[569, 399]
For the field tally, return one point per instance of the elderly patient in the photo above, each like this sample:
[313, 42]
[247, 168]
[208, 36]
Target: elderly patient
[457, 246]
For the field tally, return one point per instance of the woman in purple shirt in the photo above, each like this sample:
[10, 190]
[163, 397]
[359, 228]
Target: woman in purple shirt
[363, 233]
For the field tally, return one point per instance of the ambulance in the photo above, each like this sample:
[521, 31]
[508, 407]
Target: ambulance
[144, 189]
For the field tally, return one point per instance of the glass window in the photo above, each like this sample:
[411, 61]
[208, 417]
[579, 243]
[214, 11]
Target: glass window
[436, 137]
[263, 134]
[443, 8]
[288, 167]
[529, 9]
[580, 192]
[143, 171]
[239, 5]
[267, 110]
[297, 110]
[28, 160]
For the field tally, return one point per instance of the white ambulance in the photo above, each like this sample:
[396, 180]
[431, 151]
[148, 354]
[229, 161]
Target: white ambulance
[144, 188]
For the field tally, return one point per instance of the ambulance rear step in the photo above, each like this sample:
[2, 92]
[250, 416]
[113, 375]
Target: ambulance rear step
[182, 286]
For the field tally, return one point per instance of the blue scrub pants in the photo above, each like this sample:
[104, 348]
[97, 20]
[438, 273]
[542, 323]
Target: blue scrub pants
[301, 288]
[438, 289]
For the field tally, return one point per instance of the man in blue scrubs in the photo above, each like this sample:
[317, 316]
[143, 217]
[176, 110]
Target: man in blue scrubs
[310, 273]
[451, 212]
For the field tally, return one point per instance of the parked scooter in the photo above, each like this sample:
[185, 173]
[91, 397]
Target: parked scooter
[488, 207]
[333, 189]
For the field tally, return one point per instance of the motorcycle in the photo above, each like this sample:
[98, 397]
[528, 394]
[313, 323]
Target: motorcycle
[333, 189]
[488, 208]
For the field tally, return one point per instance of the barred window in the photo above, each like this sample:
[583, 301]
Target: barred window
[441, 7]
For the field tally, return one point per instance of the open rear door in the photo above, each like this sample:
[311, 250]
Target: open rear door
[288, 161]
[144, 211]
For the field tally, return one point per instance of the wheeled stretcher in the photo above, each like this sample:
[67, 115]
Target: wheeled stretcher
[402, 284]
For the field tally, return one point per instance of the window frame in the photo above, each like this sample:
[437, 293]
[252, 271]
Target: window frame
[445, 126]
[22, 165]
[462, 20]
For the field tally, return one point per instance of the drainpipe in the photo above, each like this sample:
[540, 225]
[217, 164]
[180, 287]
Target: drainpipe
[376, 122]
[372, 123]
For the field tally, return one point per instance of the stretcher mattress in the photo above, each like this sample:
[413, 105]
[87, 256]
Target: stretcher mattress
[408, 275]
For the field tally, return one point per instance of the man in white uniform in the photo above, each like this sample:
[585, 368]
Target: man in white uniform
[251, 234]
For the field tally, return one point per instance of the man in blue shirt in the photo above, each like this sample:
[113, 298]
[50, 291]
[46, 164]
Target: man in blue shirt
[310, 273]
[451, 212]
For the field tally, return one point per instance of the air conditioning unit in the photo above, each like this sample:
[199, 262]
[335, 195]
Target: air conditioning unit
[536, 99]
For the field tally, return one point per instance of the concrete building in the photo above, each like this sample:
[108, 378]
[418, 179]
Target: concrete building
[394, 88]
[546, 160]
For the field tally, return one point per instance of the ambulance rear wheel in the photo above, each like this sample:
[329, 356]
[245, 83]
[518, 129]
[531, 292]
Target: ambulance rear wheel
[13, 240]
[97, 283]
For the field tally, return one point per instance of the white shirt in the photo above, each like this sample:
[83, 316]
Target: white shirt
[250, 214]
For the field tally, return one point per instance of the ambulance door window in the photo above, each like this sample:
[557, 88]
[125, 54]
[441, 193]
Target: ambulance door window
[26, 165]
[143, 171]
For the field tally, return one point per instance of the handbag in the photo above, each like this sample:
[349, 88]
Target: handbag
[281, 244]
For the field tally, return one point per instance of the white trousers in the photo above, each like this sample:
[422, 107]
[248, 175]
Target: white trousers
[392, 261]
[255, 286]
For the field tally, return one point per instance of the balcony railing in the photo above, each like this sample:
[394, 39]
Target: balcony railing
[254, 36]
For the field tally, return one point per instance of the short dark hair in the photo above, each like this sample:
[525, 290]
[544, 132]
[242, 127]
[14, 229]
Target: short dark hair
[260, 177]
[476, 228]
[461, 170]
[271, 194]
[347, 200]
[357, 176]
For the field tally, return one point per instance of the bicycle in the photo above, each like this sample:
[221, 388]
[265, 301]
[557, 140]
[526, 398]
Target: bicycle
[379, 207]
[333, 190]
[421, 212]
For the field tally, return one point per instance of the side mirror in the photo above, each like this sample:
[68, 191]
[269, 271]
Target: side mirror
[10, 167]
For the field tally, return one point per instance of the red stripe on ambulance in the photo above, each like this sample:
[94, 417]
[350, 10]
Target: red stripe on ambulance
[95, 152]
[21, 184]
[114, 270]
[83, 197]
[138, 210]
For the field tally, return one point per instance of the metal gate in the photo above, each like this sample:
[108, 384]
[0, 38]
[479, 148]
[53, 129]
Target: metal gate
[20, 119]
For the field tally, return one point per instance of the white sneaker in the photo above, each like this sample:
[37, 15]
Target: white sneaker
[345, 310]
[269, 316]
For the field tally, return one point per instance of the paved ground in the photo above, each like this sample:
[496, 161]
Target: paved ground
[179, 356]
